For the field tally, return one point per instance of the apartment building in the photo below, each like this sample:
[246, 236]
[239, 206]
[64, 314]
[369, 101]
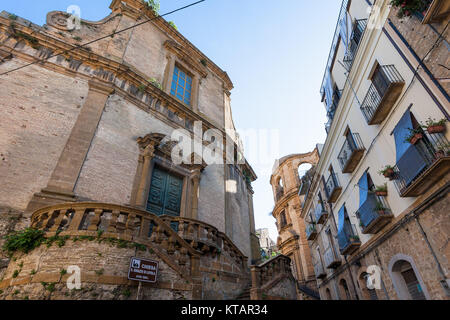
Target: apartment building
[376, 208]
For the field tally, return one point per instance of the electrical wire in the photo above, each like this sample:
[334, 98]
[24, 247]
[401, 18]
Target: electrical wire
[101, 38]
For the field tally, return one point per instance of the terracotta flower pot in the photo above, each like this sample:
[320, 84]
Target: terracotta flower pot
[439, 154]
[416, 138]
[435, 129]
[381, 193]
[389, 173]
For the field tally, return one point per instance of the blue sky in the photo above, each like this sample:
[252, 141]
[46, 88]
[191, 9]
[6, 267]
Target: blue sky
[274, 52]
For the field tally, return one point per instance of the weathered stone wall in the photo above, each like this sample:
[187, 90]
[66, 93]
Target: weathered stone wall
[421, 38]
[104, 271]
[39, 108]
[222, 278]
[9, 219]
[284, 289]
[407, 242]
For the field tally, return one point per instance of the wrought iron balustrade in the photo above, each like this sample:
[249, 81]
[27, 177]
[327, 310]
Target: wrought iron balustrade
[351, 153]
[332, 188]
[348, 240]
[382, 94]
[374, 214]
[422, 165]
[357, 33]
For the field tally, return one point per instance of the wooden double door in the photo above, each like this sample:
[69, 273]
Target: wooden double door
[166, 191]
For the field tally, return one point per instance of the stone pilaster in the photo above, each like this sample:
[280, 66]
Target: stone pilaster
[61, 185]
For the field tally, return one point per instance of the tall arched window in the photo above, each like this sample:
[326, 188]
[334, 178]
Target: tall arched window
[368, 293]
[344, 289]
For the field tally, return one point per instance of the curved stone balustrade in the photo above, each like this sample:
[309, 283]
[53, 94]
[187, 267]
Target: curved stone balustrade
[113, 221]
[206, 238]
[191, 236]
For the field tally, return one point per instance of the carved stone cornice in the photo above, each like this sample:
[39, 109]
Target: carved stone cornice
[184, 56]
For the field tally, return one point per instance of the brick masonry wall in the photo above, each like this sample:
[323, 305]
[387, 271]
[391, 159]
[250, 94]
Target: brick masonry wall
[39, 109]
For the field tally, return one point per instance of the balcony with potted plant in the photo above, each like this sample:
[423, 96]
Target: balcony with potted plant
[418, 171]
[348, 240]
[374, 214]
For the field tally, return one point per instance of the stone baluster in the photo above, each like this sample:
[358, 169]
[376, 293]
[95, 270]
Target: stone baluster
[181, 229]
[171, 245]
[47, 219]
[58, 220]
[93, 226]
[76, 220]
[183, 256]
[113, 222]
[129, 225]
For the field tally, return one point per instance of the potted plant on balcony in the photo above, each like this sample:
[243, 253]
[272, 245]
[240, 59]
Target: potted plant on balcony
[381, 191]
[354, 238]
[381, 209]
[409, 7]
[388, 172]
[442, 150]
[414, 136]
[434, 126]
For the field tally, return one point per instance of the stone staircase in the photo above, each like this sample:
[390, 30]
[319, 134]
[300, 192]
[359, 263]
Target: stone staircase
[245, 295]
[308, 293]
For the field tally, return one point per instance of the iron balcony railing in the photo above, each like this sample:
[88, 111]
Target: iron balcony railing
[331, 185]
[358, 31]
[347, 236]
[310, 230]
[413, 164]
[319, 270]
[331, 259]
[352, 144]
[378, 89]
[370, 209]
[337, 94]
[319, 211]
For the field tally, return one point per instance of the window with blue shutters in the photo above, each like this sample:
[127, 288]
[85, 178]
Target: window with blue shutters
[181, 86]
[410, 162]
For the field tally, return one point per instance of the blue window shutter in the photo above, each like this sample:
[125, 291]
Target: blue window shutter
[345, 30]
[363, 189]
[401, 131]
[341, 219]
[328, 90]
[409, 161]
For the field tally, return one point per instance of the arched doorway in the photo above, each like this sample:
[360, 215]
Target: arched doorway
[328, 294]
[406, 281]
[344, 289]
[368, 293]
